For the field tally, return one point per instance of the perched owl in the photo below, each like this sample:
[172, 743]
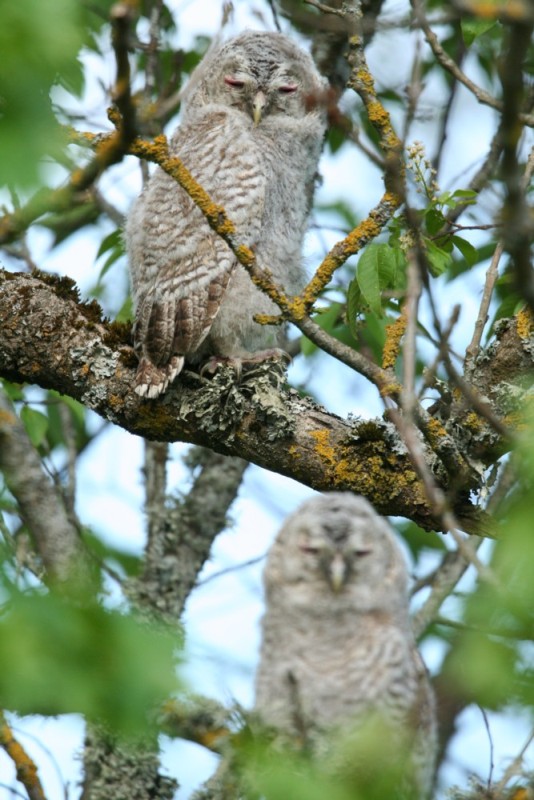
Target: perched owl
[252, 127]
[338, 655]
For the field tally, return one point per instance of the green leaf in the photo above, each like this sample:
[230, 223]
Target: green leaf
[111, 242]
[483, 669]
[131, 564]
[475, 27]
[373, 259]
[419, 540]
[343, 209]
[60, 658]
[56, 427]
[469, 252]
[36, 52]
[466, 196]
[125, 313]
[354, 305]
[434, 221]
[335, 139]
[36, 425]
[439, 259]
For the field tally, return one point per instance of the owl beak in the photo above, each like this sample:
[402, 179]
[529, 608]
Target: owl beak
[258, 106]
[337, 572]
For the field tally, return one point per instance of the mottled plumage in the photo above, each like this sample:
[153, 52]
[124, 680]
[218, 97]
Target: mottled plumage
[251, 133]
[337, 650]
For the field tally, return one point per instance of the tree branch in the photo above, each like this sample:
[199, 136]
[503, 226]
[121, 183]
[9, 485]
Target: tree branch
[452, 67]
[47, 337]
[26, 770]
[181, 535]
[40, 504]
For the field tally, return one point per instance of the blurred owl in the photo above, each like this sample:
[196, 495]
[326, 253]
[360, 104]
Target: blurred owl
[251, 133]
[338, 655]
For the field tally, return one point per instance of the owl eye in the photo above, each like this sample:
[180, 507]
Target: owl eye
[288, 88]
[235, 83]
[361, 553]
[306, 548]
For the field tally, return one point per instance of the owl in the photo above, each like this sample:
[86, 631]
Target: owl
[338, 662]
[252, 127]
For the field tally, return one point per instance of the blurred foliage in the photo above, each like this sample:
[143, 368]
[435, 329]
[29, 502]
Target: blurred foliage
[37, 53]
[61, 657]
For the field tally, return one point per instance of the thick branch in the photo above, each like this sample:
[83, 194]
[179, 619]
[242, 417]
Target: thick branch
[180, 537]
[41, 508]
[48, 338]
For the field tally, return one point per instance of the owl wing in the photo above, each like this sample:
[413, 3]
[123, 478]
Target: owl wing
[180, 267]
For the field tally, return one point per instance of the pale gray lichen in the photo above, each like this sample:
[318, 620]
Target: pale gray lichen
[113, 770]
[224, 400]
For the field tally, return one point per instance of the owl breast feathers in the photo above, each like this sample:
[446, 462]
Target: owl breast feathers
[252, 127]
[339, 668]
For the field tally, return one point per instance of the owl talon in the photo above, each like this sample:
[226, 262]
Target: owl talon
[237, 363]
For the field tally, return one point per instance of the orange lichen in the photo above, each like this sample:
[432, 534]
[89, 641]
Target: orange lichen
[323, 446]
[115, 401]
[26, 770]
[524, 323]
[7, 418]
[394, 334]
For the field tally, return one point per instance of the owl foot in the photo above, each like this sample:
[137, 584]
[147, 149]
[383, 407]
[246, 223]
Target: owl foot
[151, 381]
[238, 362]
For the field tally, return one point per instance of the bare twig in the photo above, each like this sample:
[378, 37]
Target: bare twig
[514, 768]
[449, 573]
[362, 82]
[234, 568]
[413, 295]
[473, 347]
[452, 67]
[325, 9]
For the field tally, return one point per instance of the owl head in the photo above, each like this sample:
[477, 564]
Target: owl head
[338, 544]
[260, 74]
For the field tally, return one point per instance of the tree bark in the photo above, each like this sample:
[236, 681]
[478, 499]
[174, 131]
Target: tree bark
[49, 338]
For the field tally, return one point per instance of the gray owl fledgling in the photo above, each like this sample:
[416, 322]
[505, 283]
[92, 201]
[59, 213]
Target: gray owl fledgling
[337, 649]
[251, 134]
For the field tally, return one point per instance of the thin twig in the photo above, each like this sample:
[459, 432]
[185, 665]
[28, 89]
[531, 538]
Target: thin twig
[325, 9]
[452, 568]
[473, 347]
[452, 67]
[491, 748]
[461, 626]
[514, 768]
[229, 570]
[413, 295]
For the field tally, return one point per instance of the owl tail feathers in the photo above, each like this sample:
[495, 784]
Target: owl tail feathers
[151, 381]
